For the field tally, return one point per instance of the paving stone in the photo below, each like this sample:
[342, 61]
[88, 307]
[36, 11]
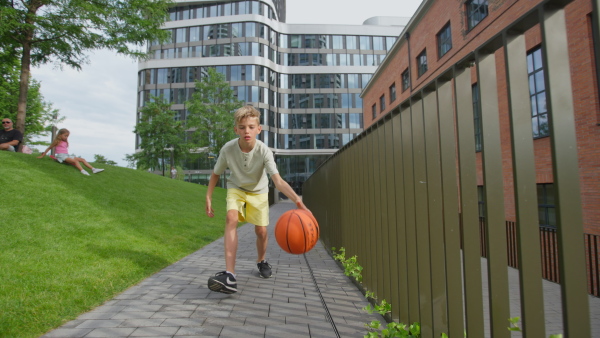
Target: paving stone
[134, 315]
[288, 331]
[172, 314]
[142, 322]
[204, 331]
[94, 323]
[184, 322]
[243, 331]
[67, 333]
[154, 331]
[111, 332]
[97, 315]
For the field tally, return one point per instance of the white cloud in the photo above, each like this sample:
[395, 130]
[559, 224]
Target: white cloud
[351, 12]
[99, 101]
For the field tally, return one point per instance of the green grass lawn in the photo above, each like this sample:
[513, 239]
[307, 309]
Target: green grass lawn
[70, 242]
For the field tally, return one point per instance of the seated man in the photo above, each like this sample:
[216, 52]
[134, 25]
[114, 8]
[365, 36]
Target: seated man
[9, 137]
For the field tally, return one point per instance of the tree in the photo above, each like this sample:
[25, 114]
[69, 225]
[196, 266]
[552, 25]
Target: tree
[161, 136]
[61, 31]
[40, 115]
[101, 159]
[211, 110]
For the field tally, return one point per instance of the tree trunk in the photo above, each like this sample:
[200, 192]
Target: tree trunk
[24, 84]
[26, 65]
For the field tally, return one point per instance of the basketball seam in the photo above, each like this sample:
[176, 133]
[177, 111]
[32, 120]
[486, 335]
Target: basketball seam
[287, 234]
[303, 232]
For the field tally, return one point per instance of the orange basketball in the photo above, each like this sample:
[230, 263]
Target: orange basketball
[296, 231]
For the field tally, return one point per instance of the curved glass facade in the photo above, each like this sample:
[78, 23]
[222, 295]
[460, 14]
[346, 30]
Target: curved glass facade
[305, 79]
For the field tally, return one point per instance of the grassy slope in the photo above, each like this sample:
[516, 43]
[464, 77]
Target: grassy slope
[69, 242]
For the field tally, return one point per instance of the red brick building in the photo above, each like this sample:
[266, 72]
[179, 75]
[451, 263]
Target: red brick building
[442, 32]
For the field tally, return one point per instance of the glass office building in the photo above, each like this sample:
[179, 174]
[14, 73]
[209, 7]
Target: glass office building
[305, 79]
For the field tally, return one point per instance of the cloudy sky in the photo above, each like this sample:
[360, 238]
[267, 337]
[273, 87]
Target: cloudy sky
[99, 101]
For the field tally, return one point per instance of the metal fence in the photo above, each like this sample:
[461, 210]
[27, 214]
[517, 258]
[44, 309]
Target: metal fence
[397, 195]
[549, 253]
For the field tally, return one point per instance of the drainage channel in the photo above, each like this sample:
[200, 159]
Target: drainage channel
[327, 313]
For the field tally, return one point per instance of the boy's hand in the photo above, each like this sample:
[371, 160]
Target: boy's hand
[208, 208]
[301, 205]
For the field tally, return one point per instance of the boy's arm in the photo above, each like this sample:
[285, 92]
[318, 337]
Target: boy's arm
[285, 188]
[212, 183]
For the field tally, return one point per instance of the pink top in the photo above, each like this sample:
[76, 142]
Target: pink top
[62, 147]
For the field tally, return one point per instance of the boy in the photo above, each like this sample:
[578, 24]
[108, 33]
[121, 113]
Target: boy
[249, 161]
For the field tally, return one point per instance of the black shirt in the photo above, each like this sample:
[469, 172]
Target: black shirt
[7, 136]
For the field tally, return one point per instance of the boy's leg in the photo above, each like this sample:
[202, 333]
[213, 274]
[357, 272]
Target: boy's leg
[262, 240]
[231, 240]
[257, 213]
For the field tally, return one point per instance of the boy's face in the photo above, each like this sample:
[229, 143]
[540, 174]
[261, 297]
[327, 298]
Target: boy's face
[247, 129]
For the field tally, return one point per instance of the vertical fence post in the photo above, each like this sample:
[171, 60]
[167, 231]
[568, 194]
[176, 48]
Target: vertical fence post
[452, 253]
[436, 221]
[469, 202]
[494, 194]
[566, 174]
[409, 209]
[403, 293]
[392, 214]
[421, 218]
[529, 257]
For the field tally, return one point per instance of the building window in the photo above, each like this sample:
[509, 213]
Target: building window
[477, 10]
[537, 94]
[546, 207]
[382, 103]
[444, 40]
[422, 62]
[405, 80]
[374, 111]
[477, 117]
[481, 201]
[393, 92]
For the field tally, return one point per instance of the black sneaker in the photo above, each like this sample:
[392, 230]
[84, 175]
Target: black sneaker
[223, 282]
[264, 269]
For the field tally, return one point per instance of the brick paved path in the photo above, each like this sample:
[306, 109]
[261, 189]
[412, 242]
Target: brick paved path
[176, 302]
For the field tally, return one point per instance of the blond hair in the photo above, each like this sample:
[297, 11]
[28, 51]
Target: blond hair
[57, 140]
[244, 112]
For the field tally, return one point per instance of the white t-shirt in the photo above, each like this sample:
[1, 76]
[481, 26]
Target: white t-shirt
[248, 170]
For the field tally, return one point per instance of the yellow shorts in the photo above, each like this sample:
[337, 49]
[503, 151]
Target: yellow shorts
[252, 208]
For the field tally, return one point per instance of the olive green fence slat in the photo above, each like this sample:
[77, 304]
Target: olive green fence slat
[566, 173]
[421, 219]
[392, 236]
[380, 214]
[530, 277]
[402, 302]
[494, 194]
[436, 217]
[410, 238]
[450, 206]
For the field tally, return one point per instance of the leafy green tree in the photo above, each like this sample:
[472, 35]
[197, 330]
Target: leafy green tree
[101, 159]
[211, 110]
[162, 137]
[61, 31]
[40, 113]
